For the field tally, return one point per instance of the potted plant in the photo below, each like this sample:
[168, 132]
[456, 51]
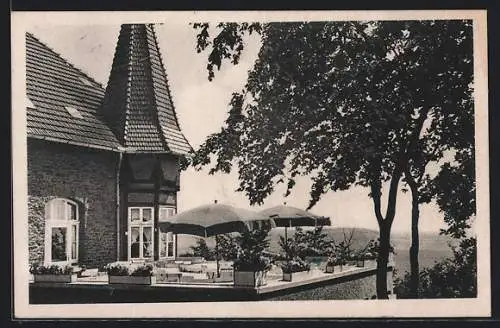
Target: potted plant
[294, 269]
[53, 273]
[331, 263]
[119, 273]
[252, 264]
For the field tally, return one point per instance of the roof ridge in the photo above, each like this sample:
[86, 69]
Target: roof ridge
[156, 113]
[163, 70]
[87, 75]
[129, 84]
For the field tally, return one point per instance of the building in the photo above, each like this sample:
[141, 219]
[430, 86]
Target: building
[103, 164]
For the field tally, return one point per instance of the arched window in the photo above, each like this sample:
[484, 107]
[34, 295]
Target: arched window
[61, 231]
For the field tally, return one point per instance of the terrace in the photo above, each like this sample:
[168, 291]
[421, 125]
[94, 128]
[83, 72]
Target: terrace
[196, 280]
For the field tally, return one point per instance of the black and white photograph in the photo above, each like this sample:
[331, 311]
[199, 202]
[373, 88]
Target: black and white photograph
[250, 164]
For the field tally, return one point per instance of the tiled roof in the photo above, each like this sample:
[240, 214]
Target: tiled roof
[137, 103]
[52, 85]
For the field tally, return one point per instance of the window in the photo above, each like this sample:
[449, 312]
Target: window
[61, 231]
[85, 81]
[28, 103]
[167, 239]
[73, 112]
[140, 231]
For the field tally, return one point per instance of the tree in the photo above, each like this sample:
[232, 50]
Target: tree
[201, 249]
[342, 102]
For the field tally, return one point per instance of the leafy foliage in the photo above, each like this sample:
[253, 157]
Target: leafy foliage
[52, 269]
[456, 200]
[117, 269]
[451, 278]
[252, 256]
[228, 247]
[306, 243]
[295, 265]
[143, 270]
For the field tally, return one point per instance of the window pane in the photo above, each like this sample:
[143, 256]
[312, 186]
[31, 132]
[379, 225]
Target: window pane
[147, 234]
[134, 242]
[74, 239]
[135, 214]
[170, 236]
[73, 251]
[72, 211]
[58, 246]
[166, 212]
[58, 211]
[163, 213]
[147, 214]
[170, 249]
[163, 244]
[147, 250]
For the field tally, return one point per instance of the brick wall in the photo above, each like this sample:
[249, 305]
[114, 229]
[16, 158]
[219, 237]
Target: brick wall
[84, 175]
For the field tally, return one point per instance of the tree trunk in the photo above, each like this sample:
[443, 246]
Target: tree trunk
[383, 260]
[414, 248]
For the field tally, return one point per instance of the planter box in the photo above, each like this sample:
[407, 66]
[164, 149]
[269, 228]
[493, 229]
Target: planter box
[330, 269]
[294, 276]
[249, 278]
[61, 278]
[371, 263]
[131, 280]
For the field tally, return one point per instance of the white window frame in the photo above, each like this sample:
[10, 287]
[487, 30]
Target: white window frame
[170, 236]
[67, 223]
[141, 225]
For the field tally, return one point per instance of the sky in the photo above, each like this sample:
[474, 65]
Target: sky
[201, 107]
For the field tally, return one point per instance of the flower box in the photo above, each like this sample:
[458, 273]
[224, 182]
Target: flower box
[294, 276]
[330, 268]
[250, 278]
[132, 280]
[59, 278]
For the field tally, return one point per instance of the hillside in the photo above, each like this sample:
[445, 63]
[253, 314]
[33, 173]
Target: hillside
[433, 247]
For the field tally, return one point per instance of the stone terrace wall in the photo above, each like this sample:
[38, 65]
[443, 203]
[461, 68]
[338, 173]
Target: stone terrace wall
[350, 287]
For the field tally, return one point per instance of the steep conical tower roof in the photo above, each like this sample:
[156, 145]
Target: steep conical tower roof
[137, 104]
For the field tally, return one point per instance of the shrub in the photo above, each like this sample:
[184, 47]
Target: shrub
[54, 269]
[144, 270]
[295, 265]
[227, 247]
[117, 269]
[454, 277]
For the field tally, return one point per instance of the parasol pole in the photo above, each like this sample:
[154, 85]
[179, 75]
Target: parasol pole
[286, 242]
[217, 255]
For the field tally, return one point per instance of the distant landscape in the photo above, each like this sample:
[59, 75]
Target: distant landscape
[433, 247]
